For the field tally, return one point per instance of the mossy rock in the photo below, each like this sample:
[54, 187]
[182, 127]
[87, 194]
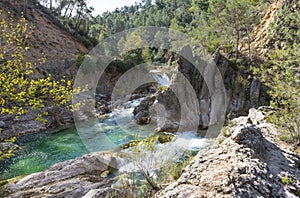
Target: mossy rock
[165, 137]
[5, 183]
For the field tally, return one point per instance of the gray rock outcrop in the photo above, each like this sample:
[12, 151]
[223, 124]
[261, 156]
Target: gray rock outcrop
[2, 124]
[142, 112]
[241, 93]
[243, 163]
[6, 147]
[72, 178]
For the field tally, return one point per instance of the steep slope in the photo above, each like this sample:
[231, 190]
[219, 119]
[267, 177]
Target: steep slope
[61, 50]
[259, 35]
[45, 36]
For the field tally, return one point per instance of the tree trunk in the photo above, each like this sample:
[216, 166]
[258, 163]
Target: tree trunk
[237, 41]
[150, 182]
[71, 10]
[77, 23]
[237, 45]
[249, 47]
[67, 8]
[50, 5]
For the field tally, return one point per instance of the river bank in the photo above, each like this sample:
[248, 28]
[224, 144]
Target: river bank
[244, 159]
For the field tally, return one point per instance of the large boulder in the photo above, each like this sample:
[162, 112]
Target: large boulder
[244, 162]
[72, 178]
[142, 112]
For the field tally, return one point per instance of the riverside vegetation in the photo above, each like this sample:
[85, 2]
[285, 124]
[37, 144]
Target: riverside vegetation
[233, 27]
[20, 91]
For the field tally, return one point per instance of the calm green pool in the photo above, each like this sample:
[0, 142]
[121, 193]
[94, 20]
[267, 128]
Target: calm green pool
[40, 151]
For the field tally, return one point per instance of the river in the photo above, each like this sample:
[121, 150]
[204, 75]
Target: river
[40, 151]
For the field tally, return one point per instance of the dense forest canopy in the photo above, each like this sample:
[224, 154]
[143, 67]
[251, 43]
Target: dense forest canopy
[218, 20]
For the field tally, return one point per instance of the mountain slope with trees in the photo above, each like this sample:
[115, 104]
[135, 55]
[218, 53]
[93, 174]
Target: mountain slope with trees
[246, 159]
[36, 56]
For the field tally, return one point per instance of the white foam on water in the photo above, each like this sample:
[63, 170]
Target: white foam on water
[170, 152]
[162, 79]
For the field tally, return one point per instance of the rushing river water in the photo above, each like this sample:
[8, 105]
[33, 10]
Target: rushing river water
[40, 151]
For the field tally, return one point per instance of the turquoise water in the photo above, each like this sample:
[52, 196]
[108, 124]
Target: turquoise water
[40, 151]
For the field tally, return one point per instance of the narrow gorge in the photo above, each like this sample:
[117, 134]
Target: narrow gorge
[158, 99]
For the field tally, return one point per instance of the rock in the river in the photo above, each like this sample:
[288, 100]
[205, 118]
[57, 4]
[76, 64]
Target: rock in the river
[2, 124]
[5, 147]
[241, 93]
[141, 113]
[243, 162]
[246, 163]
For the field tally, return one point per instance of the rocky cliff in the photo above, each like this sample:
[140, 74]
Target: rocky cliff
[260, 41]
[244, 162]
[240, 94]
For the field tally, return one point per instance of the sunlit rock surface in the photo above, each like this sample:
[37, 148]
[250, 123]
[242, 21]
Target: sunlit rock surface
[243, 163]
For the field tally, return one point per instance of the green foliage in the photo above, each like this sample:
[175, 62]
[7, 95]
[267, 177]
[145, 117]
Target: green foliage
[285, 138]
[282, 73]
[230, 20]
[9, 153]
[162, 88]
[146, 55]
[71, 15]
[287, 181]
[19, 91]
[156, 167]
[18, 88]
[79, 60]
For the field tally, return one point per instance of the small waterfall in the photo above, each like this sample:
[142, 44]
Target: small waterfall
[161, 79]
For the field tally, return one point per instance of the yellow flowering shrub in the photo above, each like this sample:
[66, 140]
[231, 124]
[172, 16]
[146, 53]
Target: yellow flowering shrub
[18, 89]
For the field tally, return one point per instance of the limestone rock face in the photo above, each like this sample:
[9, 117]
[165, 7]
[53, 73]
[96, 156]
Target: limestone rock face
[73, 178]
[214, 102]
[27, 124]
[246, 163]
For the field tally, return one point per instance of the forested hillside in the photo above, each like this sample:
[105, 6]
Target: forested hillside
[253, 48]
[230, 26]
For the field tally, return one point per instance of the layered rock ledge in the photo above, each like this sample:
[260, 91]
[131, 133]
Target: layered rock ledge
[91, 173]
[244, 162]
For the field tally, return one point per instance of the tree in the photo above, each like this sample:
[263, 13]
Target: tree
[20, 92]
[281, 72]
[231, 20]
